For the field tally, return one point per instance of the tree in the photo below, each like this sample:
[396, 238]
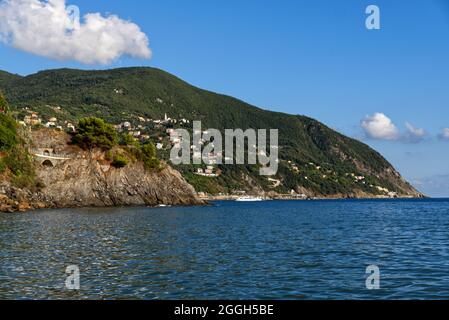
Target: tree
[149, 155]
[3, 104]
[149, 150]
[128, 140]
[95, 133]
[8, 126]
[119, 161]
[8, 133]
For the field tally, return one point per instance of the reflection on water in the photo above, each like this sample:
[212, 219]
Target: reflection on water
[268, 250]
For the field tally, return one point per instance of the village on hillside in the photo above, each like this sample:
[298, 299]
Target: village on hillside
[162, 133]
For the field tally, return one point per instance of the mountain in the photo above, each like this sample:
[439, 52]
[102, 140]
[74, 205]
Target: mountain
[315, 160]
[6, 77]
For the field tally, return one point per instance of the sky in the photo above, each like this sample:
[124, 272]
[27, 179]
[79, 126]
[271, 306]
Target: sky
[387, 87]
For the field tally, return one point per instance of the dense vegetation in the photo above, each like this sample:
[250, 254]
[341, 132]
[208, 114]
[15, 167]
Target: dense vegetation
[95, 133]
[145, 152]
[119, 161]
[3, 104]
[15, 160]
[124, 94]
[8, 132]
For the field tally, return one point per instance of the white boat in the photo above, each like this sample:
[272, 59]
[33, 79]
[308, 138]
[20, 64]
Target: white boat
[249, 199]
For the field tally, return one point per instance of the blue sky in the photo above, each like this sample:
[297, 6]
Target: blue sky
[304, 57]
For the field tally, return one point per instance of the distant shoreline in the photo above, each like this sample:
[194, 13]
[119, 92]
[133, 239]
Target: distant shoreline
[207, 201]
[293, 198]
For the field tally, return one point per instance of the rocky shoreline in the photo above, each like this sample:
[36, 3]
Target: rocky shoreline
[23, 203]
[87, 179]
[124, 187]
[17, 200]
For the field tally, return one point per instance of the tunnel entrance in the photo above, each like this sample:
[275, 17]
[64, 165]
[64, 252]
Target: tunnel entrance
[47, 163]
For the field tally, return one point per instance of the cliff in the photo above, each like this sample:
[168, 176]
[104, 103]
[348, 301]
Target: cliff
[70, 177]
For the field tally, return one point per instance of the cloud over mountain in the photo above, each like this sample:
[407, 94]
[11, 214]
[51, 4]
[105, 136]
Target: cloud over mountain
[53, 30]
[414, 135]
[378, 126]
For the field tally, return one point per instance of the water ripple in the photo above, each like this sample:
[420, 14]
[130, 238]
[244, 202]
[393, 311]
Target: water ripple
[270, 250]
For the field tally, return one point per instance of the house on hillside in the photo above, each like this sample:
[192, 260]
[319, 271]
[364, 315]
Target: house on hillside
[32, 119]
[71, 127]
[50, 124]
[209, 172]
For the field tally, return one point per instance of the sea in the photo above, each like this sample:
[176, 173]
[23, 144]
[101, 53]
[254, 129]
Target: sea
[312, 250]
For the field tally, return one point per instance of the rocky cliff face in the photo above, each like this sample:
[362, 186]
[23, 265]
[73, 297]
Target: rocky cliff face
[70, 177]
[92, 181]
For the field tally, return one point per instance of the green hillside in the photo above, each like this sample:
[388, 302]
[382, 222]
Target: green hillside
[6, 78]
[122, 94]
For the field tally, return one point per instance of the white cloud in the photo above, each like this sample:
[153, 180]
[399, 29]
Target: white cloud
[414, 135]
[379, 126]
[45, 28]
[444, 135]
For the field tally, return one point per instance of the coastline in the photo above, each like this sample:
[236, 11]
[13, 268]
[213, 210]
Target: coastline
[17, 207]
[24, 207]
[296, 198]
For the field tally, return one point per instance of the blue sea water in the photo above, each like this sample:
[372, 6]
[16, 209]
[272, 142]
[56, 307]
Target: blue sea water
[230, 250]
